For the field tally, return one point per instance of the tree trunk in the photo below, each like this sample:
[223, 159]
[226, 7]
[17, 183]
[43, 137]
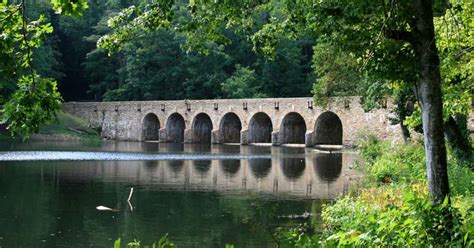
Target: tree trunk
[429, 94]
[459, 142]
[405, 132]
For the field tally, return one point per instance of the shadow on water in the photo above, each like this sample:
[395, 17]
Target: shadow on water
[328, 166]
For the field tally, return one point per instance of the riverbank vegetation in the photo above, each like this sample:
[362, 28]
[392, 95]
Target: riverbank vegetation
[65, 127]
[392, 208]
[70, 126]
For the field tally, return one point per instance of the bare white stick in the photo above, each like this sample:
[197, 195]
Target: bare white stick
[103, 208]
[130, 195]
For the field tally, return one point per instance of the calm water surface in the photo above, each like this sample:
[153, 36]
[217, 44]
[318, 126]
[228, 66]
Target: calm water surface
[202, 195]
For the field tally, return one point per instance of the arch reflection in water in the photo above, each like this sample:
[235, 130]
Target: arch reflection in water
[151, 166]
[293, 168]
[176, 166]
[328, 166]
[202, 166]
[230, 167]
[260, 168]
[290, 172]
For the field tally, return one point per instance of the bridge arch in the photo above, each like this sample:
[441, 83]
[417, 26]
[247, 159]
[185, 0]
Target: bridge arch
[260, 128]
[328, 129]
[202, 128]
[293, 129]
[150, 127]
[230, 128]
[175, 128]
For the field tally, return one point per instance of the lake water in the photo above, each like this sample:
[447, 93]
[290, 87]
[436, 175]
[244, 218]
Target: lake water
[201, 195]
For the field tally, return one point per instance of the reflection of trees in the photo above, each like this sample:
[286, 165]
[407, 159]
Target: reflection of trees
[260, 167]
[262, 217]
[293, 168]
[24, 199]
[328, 166]
[230, 167]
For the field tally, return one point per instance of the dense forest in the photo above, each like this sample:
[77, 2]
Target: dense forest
[156, 65]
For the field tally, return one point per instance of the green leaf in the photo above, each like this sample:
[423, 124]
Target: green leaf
[117, 243]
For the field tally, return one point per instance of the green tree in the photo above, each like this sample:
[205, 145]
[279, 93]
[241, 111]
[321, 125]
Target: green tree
[35, 99]
[406, 25]
[242, 84]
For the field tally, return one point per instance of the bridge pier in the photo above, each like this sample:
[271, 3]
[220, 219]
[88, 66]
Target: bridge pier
[309, 138]
[215, 137]
[276, 139]
[189, 136]
[244, 137]
[163, 135]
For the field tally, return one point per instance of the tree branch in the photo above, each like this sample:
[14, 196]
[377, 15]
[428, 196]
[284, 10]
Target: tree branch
[463, 52]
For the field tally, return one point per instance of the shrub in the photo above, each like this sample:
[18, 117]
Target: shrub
[401, 163]
[396, 210]
[412, 222]
[164, 242]
[369, 146]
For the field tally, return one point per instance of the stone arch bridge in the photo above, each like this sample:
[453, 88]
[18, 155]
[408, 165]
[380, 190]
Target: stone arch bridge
[246, 121]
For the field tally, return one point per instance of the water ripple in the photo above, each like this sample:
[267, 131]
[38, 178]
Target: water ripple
[121, 156]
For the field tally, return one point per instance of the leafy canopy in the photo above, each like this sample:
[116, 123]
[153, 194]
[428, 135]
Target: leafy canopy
[35, 99]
